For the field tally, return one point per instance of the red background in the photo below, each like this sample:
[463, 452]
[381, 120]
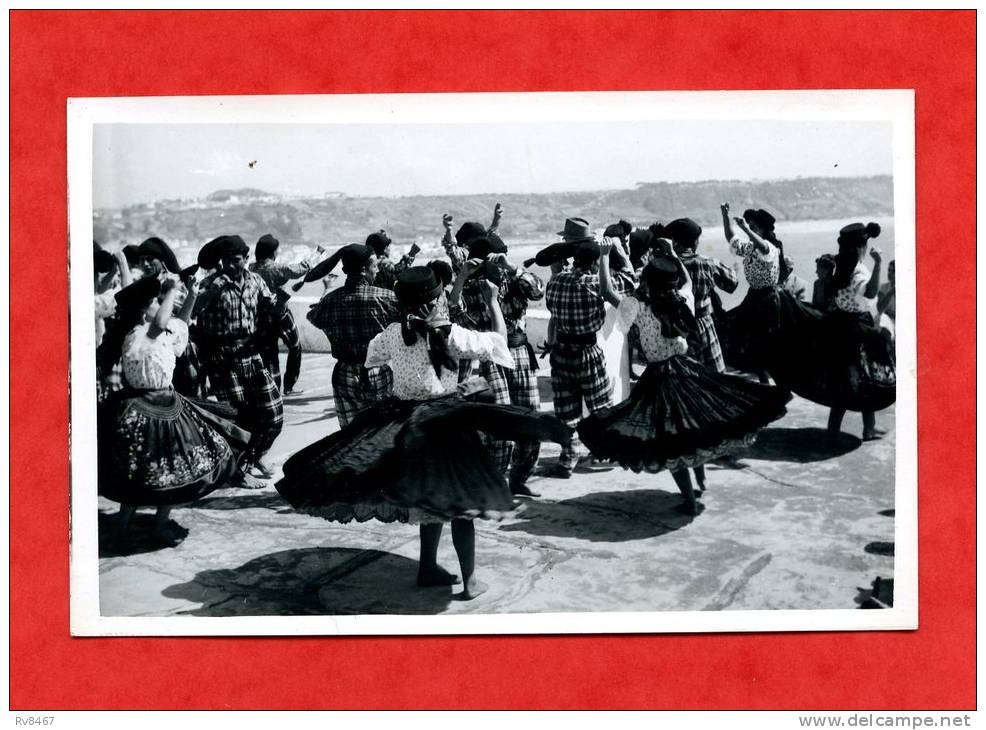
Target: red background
[55, 55]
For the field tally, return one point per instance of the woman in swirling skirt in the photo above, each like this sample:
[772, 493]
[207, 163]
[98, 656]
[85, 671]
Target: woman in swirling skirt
[157, 447]
[680, 414]
[418, 456]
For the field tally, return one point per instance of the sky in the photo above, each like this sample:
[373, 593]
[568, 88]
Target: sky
[135, 163]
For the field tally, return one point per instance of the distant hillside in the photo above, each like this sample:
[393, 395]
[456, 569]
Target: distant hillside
[335, 218]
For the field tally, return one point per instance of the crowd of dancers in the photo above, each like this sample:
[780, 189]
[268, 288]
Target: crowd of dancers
[436, 382]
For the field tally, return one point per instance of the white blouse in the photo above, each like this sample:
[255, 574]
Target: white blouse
[105, 308]
[655, 345]
[148, 364]
[761, 269]
[853, 297]
[414, 375]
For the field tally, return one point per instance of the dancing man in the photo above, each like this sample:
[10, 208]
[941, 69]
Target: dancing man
[234, 313]
[578, 311]
[276, 276]
[351, 316]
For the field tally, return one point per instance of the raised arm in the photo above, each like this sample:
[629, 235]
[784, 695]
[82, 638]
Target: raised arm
[121, 263]
[456, 253]
[873, 285]
[605, 278]
[760, 244]
[467, 269]
[727, 223]
[188, 306]
[163, 315]
[497, 214]
[490, 292]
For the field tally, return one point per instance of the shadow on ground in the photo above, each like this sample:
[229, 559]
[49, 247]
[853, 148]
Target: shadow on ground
[313, 581]
[800, 445]
[242, 499]
[136, 541]
[604, 516]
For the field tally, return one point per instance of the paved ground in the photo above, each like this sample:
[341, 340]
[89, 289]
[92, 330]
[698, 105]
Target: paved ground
[802, 523]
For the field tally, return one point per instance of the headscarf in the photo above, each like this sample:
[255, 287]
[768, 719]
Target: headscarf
[666, 303]
[416, 290]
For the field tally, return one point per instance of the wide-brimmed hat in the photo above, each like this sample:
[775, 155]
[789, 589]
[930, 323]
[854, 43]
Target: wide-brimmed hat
[576, 230]
[558, 253]
[416, 286]
[155, 248]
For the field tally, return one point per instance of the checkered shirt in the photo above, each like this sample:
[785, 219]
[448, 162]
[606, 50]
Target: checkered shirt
[236, 309]
[575, 303]
[352, 315]
[707, 273]
[516, 291]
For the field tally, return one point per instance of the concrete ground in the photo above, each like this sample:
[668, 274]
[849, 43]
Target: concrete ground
[799, 523]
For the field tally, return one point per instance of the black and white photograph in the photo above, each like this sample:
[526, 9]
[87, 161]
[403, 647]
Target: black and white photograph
[493, 363]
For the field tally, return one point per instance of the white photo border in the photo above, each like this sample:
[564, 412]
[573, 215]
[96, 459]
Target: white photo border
[894, 106]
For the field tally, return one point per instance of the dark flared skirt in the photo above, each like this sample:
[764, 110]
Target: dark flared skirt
[412, 461]
[682, 414]
[165, 449]
[850, 364]
[768, 323]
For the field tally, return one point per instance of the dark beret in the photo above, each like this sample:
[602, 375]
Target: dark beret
[266, 246]
[155, 248]
[378, 242]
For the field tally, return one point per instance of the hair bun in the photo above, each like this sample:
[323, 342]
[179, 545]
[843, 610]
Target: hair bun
[872, 230]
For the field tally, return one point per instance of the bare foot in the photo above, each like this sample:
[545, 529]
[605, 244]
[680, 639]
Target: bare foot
[472, 589]
[170, 534]
[436, 576]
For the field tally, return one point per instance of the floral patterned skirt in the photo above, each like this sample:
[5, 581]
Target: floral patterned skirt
[682, 414]
[162, 448]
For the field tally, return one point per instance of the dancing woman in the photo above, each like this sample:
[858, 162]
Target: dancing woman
[418, 457]
[860, 356]
[157, 447]
[681, 414]
[770, 325]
